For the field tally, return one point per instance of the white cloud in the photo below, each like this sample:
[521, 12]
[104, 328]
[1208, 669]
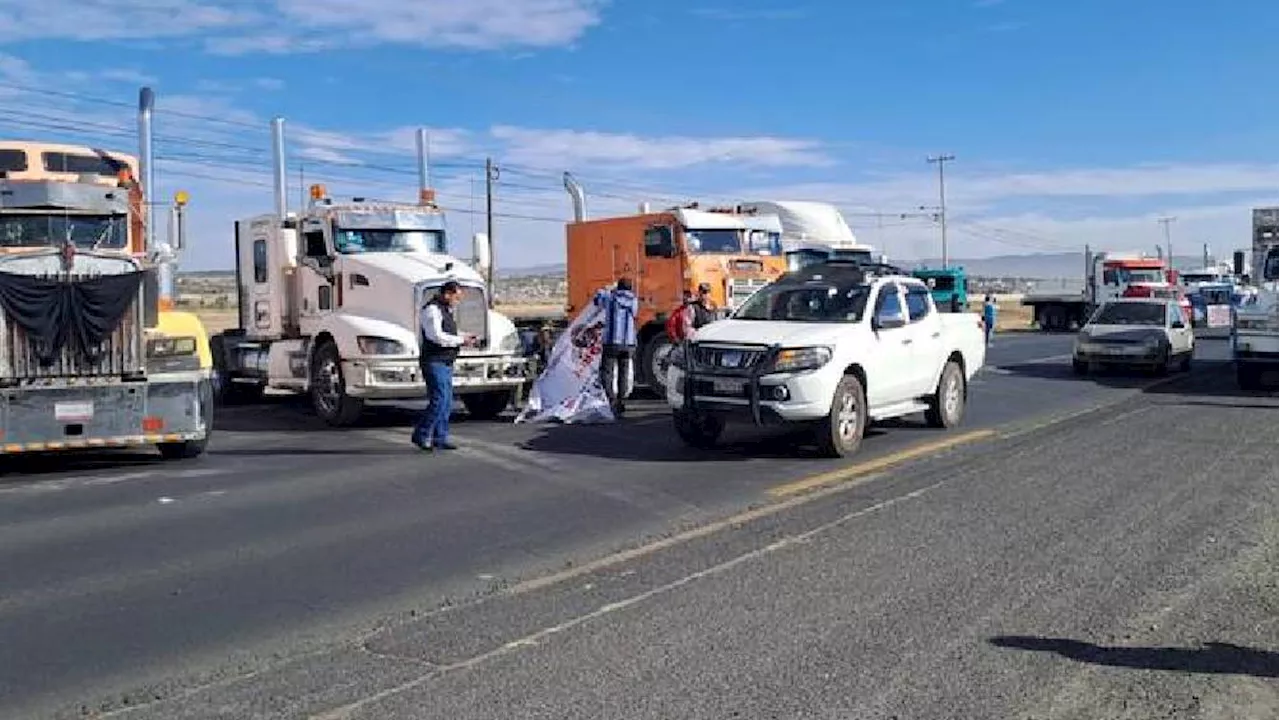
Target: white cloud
[291, 26]
[572, 149]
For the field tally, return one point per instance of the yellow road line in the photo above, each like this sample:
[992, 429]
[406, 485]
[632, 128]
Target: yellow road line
[876, 465]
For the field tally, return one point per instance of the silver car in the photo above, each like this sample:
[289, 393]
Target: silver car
[1135, 332]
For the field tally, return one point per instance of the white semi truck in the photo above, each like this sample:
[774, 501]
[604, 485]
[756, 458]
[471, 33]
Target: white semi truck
[1254, 337]
[329, 300]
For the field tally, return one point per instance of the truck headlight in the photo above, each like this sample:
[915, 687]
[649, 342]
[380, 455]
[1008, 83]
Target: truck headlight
[162, 347]
[372, 345]
[1152, 341]
[1265, 323]
[511, 343]
[802, 358]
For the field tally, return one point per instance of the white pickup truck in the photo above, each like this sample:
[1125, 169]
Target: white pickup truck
[834, 345]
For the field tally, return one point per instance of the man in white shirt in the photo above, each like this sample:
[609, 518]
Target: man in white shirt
[438, 342]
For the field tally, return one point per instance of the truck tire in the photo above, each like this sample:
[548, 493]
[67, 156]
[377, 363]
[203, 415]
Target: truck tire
[329, 388]
[1248, 377]
[946, 407]
[697, 430]
[487, 405]
[840, 434]
[653, 363]
[185, 450]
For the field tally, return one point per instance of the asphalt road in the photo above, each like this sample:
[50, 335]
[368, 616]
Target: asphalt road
[253, 583]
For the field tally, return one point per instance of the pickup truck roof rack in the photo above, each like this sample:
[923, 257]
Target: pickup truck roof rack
[847, 269]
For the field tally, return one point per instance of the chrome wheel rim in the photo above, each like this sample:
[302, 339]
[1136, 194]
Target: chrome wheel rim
[658, 366]
[328, 385]
[951, 397]
[847, 417]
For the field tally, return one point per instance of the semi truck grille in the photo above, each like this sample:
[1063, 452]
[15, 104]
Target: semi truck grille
[742, 288]
[122, 352]
[471, 313]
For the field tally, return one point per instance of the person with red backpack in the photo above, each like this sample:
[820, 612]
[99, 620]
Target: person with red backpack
[692, 314]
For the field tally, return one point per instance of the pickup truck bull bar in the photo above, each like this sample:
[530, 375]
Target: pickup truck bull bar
[751, 377]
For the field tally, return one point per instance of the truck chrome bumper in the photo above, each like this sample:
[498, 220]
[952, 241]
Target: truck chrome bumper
[166, 408]
[397, 379]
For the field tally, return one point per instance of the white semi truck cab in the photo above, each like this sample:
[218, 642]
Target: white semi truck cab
[1255, 340]
[329, 301]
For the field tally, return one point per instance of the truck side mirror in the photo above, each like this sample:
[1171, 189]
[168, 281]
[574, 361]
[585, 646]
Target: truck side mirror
[480, 256]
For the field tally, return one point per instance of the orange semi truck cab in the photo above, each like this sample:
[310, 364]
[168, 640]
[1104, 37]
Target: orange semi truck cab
[664, 254]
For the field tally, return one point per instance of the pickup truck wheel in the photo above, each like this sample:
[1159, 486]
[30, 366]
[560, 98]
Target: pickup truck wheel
[946, 407]
[329, 389]
[487, 405]
[697, 430]
[653, 363]
[841, 433]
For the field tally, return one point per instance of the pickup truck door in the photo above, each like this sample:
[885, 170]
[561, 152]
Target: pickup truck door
[890, 361]
[1181, 337]
[924, 328]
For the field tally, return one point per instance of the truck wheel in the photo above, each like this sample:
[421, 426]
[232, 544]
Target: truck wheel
[840, 434]
[1248, 377]
[1079, 367]
[653, 363]
[186, 450]
[946, 407]
[698, 430]
[487, 405]
[329, 388]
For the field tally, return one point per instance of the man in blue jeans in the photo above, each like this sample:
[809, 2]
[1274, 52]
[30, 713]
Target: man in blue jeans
[618, 351]
[438, 342]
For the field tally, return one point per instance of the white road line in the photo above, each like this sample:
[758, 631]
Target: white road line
[39, 487]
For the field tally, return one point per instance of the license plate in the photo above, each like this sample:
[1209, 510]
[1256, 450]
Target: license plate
[73, 411]
[1114, 351]
[727, 387]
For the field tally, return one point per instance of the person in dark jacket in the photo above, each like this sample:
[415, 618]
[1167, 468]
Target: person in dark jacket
[438, 342]
[617, 361]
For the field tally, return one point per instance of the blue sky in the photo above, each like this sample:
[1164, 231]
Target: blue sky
[1072, 122]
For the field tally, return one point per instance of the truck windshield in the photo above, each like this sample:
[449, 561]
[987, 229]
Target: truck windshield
[1131, 313]
[763, 242]
[941, 283]
[818, 302]
[1126, 276]
[713, 241]
[351, 242]
[110, 232]
[1271, 266]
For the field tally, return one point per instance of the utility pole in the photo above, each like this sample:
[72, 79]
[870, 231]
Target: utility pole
[1168, 241]
[490, 177]
[941, 161]
[1207, 260]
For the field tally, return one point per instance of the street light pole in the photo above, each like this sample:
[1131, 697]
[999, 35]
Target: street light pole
[941, 161]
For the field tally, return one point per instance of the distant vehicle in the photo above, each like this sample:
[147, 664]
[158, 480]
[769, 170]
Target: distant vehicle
[1135, 332]
[948, 285]
[1254, 345]
[833, 346]
[1107, 276]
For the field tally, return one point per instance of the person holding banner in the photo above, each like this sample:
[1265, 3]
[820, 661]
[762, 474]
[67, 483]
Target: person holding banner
[617, 361]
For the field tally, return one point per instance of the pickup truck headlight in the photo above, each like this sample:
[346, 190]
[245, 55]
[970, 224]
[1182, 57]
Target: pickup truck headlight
[371, 345]
[164, 347]
[803, 358]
